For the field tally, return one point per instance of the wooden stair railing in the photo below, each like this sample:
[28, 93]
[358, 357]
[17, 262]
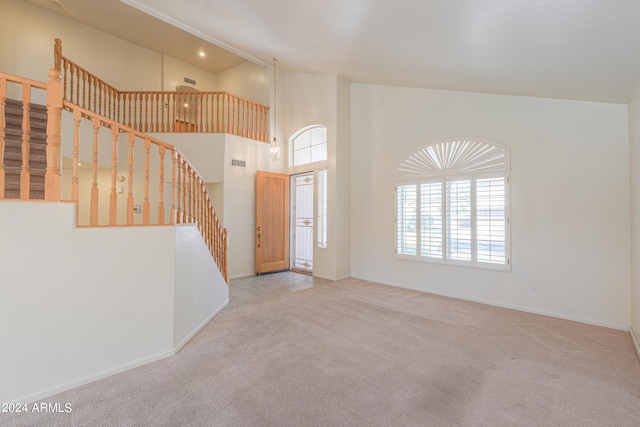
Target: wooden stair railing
[135, 179]
[157, 111]
[155, 174]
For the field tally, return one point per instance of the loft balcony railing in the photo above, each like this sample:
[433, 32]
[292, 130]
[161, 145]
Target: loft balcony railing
[156, 111]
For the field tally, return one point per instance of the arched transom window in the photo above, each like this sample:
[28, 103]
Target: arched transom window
[452, 204]
[309, 145]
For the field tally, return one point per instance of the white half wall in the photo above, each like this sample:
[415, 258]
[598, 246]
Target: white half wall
[569, 198]
[200, 291]
[79, 304]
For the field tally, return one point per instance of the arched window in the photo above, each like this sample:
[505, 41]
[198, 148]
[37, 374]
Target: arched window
[309, 145]
[453, 204]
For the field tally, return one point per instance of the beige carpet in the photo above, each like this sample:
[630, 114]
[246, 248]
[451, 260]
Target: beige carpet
[355, 353]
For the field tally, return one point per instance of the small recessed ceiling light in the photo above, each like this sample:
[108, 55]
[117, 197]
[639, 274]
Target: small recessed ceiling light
[201, 53]
[79, 164]
[186, 105]
[56, 4]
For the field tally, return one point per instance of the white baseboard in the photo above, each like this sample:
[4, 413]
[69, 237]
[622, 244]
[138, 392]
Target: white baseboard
[91, 378]
[240, 276]
[509, 306]
[188, 338]
[634, 339]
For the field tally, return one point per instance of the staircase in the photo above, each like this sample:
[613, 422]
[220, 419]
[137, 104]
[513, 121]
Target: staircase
[13, 149]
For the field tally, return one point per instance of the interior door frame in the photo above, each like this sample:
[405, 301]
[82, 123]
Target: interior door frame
[267, 236]
[292, 225]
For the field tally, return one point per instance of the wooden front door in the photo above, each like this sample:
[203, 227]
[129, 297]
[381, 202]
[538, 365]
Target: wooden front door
[272, 222]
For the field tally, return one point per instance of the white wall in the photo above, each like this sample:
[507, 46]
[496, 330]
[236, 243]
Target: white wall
[77, 305]
[174, 72]
[240, 201]
[247, 80]
[27, 36]
[569, 197]
[634, 165]
[205, 151]
[315, 99]
[200, 291]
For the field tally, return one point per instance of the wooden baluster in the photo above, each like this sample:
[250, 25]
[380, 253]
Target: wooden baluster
[225, 252]
[93, 213]
[234, 115]
[245, 117]
[199, 103]
[172, 213]
[236, 129]
[194, 205]
[172, 113]
[265, 125]
[25, 172]
[185, 208]
[100, 106]
[146, 112]
[85, 95]
[216, 115]
[191, 112]
[161, 150]
[136, 111]
[129, 109]
[89, 91]
[251, 120]
[132, 138]
[199, 204]
[3, 98]
[65, 80]
[201, 200]
[229, 108]
[145, 204]
[113, 198]
[75, 183]
[207, 121]
[178, 192]
[75, 79]
[54, 117]
[190, 213]
[157, 105]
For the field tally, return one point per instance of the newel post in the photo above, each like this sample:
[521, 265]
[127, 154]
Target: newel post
[52, 180]
[57, 55]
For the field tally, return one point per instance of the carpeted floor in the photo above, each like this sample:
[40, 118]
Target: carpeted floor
[356, 353]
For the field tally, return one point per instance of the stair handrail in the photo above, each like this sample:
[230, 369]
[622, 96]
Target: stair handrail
[191, 202]
[163, 111]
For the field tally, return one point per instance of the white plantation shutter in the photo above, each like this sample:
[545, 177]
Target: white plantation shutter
[407, 220]
[431, 226]
[491, 220]
[459, 220]
[455, 209]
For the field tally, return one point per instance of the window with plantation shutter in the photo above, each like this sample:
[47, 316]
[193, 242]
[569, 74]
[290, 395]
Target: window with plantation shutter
[407, 220]
[452, 204]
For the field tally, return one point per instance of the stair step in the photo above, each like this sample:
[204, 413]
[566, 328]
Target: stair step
[13, 149]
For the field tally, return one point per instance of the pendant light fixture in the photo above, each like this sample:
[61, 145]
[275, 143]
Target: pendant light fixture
[274, 150]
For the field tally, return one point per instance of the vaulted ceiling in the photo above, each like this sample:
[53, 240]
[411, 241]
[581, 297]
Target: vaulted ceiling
[568, 49]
